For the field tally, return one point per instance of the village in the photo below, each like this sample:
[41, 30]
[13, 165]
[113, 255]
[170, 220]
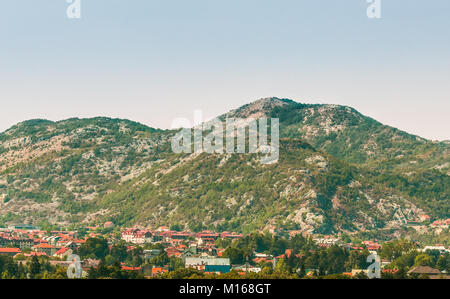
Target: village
[154, 253]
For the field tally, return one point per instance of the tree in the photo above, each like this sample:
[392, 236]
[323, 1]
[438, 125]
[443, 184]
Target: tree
[119, 251]
[423, 259]
[177, 227]
[282, 266]
[235, 255]
[442, 263]
[406, 260]
[102, 270]
[35, 266]
[361, 275]
[94, 248]
[110, 260]
[160, 260]
[223, 243]
[357, 260]
[175, 263]
[6, 275]
[395, 249]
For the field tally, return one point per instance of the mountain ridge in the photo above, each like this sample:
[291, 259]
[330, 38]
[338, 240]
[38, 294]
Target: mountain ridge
[97, 169]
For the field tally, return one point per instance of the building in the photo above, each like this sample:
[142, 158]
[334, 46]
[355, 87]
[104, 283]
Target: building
[45, 248]
[63, 253]
[424, 270]
[151, 253]
[137, 236]
[108, 224]
[9, 251]
[217, 269]
[441, 249]
[23, 227]
[209, 264]
[19, 242]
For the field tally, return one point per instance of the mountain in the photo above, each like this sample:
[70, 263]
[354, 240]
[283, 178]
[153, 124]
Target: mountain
[339, 171]
[50, 170]
[347, 134]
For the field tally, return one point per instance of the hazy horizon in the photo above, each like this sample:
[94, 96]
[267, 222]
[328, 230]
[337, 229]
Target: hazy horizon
[152, 61]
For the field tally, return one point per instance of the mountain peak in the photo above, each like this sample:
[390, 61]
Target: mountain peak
[259, 108]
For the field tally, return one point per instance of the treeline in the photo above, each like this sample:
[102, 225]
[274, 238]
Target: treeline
[36, 268]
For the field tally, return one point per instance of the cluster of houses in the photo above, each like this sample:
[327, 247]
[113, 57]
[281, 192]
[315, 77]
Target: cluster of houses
[196, 250]
[38, 242]
[441, 223]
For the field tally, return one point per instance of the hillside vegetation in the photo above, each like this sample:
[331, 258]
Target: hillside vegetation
[338, 171]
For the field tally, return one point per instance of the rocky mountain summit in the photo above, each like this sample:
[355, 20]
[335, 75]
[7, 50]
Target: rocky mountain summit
[339, 171]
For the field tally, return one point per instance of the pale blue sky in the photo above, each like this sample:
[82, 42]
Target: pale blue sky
[152, 61]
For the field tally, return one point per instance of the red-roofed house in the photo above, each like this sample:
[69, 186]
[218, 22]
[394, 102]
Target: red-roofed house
[172, 251]
[159, 270]
[108, 224]
[137, 236]
[10, 251]
[44, 247]
[63, 252]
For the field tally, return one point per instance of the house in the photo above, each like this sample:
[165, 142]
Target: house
[205, 263]
[179, 236]
[327, 241]
[357, 271]
[108, 224]
[259, 260]
[439, 223]
[424, 270]
[19, 242]
[172, 251]
[391, 271]
[9, 251]
[45, 248]
[207, 236]
[159, 270]
[63, 253]
[217, 269]
[163, 229]
[151, 253]
[87, 264]
[71, 245]
[247, 269]
[137, 236]
[441, 249]
[424, 218]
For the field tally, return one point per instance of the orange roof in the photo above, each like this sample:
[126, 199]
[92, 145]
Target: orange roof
[10, 250]
[157, 270]
[61, 251]
[261, 259]
[131, 268]
[44, 245]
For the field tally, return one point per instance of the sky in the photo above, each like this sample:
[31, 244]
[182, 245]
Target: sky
[152, 61]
